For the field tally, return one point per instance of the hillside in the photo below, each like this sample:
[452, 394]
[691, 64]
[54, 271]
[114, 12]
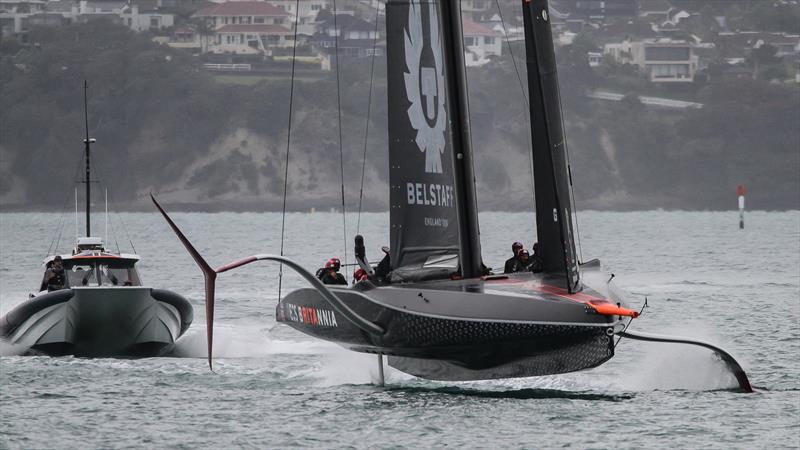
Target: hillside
[164, 125]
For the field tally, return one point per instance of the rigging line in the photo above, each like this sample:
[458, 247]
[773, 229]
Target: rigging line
[113, 230]
[288, 144]
[339, 108]
[569, 173]
[62, 219]
[100, 177]
[511, 51]
[369, 113]
[524, 98]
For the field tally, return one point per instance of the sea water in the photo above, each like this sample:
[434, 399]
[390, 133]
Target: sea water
[273, 387]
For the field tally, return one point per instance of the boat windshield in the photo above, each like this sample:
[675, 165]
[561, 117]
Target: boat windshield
[102, 272]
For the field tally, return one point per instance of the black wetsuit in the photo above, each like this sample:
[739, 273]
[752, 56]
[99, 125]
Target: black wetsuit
[509, 268]
[536, 263]
[519, 266]
[328, 276]
[54, 279]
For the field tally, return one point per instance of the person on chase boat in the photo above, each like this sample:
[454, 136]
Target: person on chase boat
[330, 273]
[510, 262]
[54, 276]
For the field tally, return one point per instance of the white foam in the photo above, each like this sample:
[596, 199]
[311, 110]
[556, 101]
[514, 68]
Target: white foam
[665, 366]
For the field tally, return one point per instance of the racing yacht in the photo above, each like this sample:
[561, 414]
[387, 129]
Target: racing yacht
[440, 314]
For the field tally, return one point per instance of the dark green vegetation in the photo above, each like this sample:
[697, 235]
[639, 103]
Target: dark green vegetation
[165, 125]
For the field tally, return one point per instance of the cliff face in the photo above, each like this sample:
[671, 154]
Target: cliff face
[163, 125]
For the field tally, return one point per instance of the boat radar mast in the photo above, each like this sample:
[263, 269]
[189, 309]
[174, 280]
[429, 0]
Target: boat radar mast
[88, 142]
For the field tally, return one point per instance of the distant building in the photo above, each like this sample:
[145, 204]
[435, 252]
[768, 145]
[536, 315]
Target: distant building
[661, 60]
[739, 44]
[655, 10]
[14, 15]
[597, 10]
[480, 43]
[142, 18]
[307, 16]
[187, 38]
[356, 37]
[595, 58]
[786, 44]
[478, 10]
[245, 27]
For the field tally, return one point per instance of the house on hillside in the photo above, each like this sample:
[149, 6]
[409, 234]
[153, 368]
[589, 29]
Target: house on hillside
[478, 10]
[14, 15]
[307, 16]
[787, 44]
[186, 38]
[598, 10]
[739, 44]
[145, 15]
[245, 27]
[657, 11]
[356, 37]
[480, 43]
[662, 60]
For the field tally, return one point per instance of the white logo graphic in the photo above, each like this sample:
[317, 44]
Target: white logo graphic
[425, 87]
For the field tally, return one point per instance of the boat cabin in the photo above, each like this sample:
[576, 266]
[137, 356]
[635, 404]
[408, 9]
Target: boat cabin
[91, 265]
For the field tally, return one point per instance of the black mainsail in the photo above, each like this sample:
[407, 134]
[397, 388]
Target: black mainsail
[550, 172]
[434, 232]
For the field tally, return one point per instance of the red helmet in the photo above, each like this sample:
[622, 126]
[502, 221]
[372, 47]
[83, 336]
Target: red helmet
[333, 264]
[360, 274]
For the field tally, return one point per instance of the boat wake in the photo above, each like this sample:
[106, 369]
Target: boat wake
[676, 367]
[648, 367]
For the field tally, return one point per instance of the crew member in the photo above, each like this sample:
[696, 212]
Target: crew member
[54, 276]
[511, 262]
[330, 274]
[522, 263]
[360, 275]
[537, 263]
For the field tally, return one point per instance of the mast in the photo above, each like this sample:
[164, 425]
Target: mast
[469, 235]
[88, 142]
[551, 175]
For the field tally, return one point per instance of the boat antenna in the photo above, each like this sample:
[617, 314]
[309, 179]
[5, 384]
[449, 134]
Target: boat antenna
[88, 141]
[288, 143]
[369, 114]
[77, 232]
[339, 109]
[62, 221]
[110, 197]
[106, 197]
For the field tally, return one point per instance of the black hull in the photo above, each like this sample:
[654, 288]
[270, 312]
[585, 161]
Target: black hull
[467, 330]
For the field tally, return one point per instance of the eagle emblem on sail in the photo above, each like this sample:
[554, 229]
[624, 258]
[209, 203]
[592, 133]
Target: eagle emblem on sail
[425, 87]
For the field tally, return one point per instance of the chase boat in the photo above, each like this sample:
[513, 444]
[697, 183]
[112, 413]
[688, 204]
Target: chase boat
[103, 310]
[99, 307]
